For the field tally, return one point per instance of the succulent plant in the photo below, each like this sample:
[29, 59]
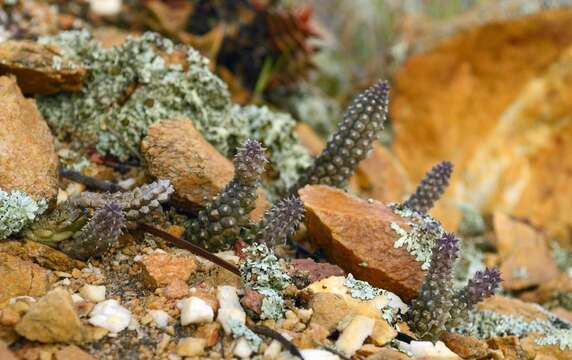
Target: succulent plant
[57, 225]
[430, 311]
[352, 140]
[280, 221]
[438, 307]
[219, 223]
[431, 188]
[98, 235]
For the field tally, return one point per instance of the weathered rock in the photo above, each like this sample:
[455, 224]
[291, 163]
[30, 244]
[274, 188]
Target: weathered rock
[28, 161]
[44, 255]
[513, 307]
[22, 277]
[535, 351]
[252, 300]
[309, 139]
[516, 242]
[509, 154]
[161, 269]
[353, 232]
[176, 289]
[191, 346]
[322, 304]
[175, 150]
[72, 352]
[549, 290]
[316, 271]
[5, 353]
[467, 347]
[509, 346]
[40, 69]
[52, 319]
[388, 354]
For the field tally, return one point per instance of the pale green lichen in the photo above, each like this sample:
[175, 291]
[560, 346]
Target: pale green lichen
[131, 86]
[472, 223]
[361, 289]
[239, 330]
[471, 260]
[261, 271]
[420, 238]
[560, 337]
[17, 210]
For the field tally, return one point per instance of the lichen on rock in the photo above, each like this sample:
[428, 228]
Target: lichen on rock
[17, 210]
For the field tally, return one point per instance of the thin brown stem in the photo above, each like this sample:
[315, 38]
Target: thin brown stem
[195, 249]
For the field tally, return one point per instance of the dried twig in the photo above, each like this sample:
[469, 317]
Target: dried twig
[195, 249]
[91, 182]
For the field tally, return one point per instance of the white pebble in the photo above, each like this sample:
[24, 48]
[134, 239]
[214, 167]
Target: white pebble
[426, 349]
[110, 316]
[353, 336]
[76, 298]
[160, 317]
[242, 349]
[230, 308]
[195, 310]
[273, 350]
[93, 293]
[105, 7]
[318, 354]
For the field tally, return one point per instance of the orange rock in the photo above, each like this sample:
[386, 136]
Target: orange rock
[5, 353]
[177, 289]
[210, 332]
[516, 241]
[40, 69]
[72, 352]
[21, 277]
[175, 150]
[449, 100]
[549, 290]
[509, 346]
[28, 161]
[163, 269]
[388, 354]
[354, 232]
[513, 307]
[548, 352]
[42, 254]
[467, 347]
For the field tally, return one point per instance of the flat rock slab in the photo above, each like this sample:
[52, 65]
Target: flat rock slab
[28, 161]
[21, 277]
[40, 69]
[357, 236]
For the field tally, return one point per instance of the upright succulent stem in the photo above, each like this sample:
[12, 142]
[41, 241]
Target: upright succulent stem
[352, 140]
[430, 311]
[431, 188]
[280, 221]
[218, 224]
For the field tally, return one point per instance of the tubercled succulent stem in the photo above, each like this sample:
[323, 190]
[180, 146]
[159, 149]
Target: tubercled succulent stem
[432, 186]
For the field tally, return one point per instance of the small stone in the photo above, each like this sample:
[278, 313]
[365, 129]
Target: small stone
[350, 231]
[110, 316]
[242, 349]
[516, 241]
[160, 317]
[322, 305]
[40, 69]
[388, 354]
[273, 350]
[318, 354]
[230, 309]
[316, 271]
[176, 289]
[210, 332]
[428, 350]
[94, 293]
[467, 347]
[353, 336]
[191, 346]
[252, 300]
[21, 277]
[28, 160]
[508, 345]
[72, 352]
[162, 269]
[195, 310]
[52, 319]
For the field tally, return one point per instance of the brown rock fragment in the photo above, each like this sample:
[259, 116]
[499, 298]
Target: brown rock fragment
[549, 290]
[52, 319]
[252, 300]
[388, 354]
[175, 150]
[525, 256]
[509, 346]
[513, 307]
[323, 304]
[21, 277]
[5, 353]
[28, 161]
[72, 352]
[40, 69]
[354, 232]
[535, 351]
[467, 347]
[316, 271]
[210, 332]
[162, 269]
[42, 254]
[176, 289]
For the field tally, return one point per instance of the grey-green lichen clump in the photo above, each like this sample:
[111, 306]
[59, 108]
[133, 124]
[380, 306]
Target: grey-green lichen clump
[219, 224]
[17, 210]
[263, 272]
[352, 140]
[131, 86]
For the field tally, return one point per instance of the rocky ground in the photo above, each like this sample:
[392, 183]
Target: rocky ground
[155, 205]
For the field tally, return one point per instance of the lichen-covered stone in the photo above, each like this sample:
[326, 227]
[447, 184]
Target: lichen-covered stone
[357, 236]
[39, 69]
[28, 160]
